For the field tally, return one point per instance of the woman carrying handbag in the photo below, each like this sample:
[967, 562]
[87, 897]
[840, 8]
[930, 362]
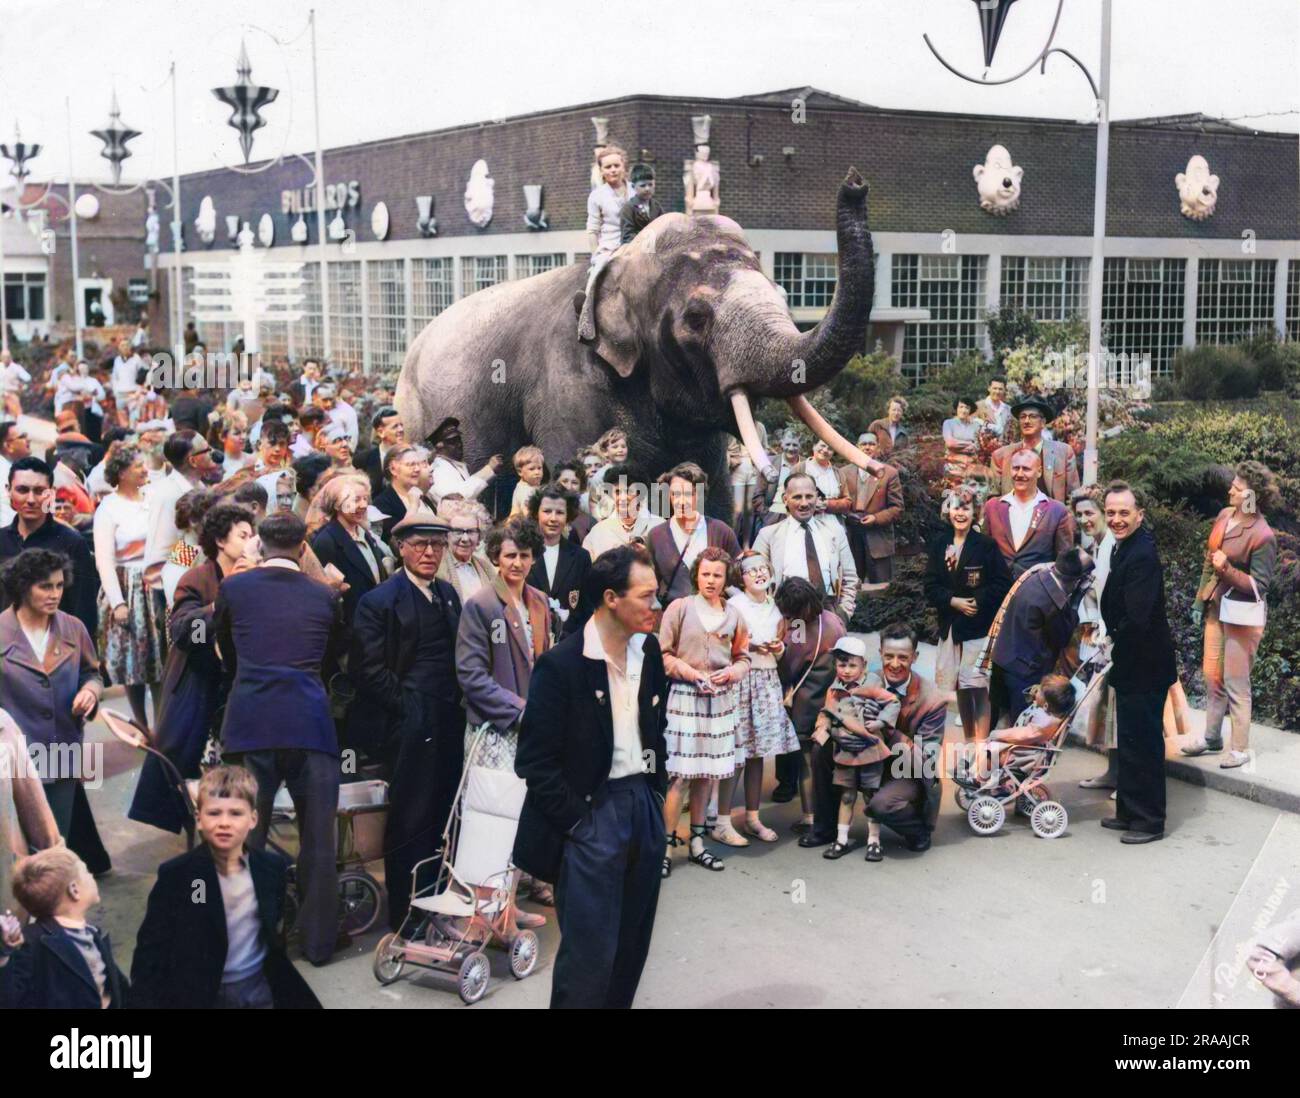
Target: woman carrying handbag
[1232, 600]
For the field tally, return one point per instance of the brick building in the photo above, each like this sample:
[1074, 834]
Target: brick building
[115, 283]
[1169, 281]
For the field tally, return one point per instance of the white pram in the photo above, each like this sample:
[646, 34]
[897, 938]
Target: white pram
[472, 902]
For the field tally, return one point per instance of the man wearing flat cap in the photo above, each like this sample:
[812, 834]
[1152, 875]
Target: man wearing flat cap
[408, 709]
[1060, 472]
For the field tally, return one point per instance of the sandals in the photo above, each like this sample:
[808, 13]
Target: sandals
[874, 853]
[801, 827]
[707, 859]
[728, 835]
[672, 840]
[761, 832]
[542, 894]
[837, 849]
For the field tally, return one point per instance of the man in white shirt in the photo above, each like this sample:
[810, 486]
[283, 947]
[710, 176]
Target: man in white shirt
[811, 546]
[304, 389]
[629, 520]
[994, 409]
[451, 476]
[190, 458]
[126, 368]
[13, 379]
[591, 748]
[14, 444]
[338, 411]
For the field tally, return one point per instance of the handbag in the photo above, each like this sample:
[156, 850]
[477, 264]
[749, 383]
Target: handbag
[1236, 609]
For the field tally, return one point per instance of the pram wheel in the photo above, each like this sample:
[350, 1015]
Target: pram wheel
[1027, 802]
[475, 972]
[1049, 820]
[523, 954]
[359, 902]
[389, 962]
[962, 797]
[986, 815]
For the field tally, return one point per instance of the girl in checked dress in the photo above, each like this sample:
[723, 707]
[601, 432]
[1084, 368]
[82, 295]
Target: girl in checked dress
[706, 654]
[765, 728]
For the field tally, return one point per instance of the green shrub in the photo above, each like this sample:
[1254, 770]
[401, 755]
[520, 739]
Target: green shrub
[1211, 372]
[1010, 326]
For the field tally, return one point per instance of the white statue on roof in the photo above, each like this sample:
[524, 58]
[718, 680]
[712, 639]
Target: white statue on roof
[998, 181]
[1198, 189]
[479, 194]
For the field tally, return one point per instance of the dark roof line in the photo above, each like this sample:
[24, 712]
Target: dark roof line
[818, 100]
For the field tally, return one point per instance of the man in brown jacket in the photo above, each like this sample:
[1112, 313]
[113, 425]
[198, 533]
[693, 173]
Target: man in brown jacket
[1060, 472]
[869, 506]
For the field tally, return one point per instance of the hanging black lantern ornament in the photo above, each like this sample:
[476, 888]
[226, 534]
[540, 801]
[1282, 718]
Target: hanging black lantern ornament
[115, 137]
[245, 100]
[993, 15]
[18, 154]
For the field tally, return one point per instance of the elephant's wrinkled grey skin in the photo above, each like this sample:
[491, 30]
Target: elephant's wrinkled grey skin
[684, 318]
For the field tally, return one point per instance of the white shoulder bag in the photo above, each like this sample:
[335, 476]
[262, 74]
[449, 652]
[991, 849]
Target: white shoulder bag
[1236, 609]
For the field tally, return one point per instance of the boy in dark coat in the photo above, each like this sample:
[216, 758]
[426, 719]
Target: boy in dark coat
[64, 963]
[210, 936]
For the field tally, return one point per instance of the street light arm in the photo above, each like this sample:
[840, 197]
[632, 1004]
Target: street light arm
[1042, 54]
[1082, 68]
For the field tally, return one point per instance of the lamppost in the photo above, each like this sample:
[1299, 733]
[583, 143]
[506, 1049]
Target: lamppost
[993, 16]
[246, 101]
[18, 154]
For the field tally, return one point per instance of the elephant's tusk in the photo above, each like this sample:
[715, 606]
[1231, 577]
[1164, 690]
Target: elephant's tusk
[817, 424]
[749, 435]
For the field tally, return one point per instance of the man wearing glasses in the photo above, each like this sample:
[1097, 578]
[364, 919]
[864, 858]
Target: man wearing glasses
[408, 704]
[192, 466]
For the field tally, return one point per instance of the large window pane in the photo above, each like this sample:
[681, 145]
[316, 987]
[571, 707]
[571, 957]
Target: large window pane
[432, 288]
[1234, 299]
[952, 288]
[1142, 308]
[386, 285]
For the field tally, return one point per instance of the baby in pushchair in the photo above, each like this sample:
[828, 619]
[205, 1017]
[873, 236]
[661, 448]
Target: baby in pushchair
[1051, 703]
[858, 715]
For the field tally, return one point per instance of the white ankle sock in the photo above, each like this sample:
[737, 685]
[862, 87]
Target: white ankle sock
[842, 833]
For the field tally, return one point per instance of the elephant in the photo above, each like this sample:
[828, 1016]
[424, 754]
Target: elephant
[688, 332]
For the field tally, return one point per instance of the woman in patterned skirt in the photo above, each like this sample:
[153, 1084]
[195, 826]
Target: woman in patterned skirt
[765, 728]
[706, 653]
[131, 622]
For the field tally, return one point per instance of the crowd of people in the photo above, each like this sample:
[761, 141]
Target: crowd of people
[292, 592]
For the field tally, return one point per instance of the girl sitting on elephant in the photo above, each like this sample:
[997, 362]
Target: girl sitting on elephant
[604, 228]
[705, 647]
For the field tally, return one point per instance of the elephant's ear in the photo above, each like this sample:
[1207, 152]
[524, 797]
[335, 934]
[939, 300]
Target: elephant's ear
[615, 331]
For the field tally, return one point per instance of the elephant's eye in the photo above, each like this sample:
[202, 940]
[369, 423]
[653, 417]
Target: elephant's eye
[1205, 190]
[697, 315]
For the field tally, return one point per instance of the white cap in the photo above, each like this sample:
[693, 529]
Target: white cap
[851, 646]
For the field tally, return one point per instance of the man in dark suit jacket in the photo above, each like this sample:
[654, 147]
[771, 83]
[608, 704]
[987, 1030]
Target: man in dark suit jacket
[181, 949]
[276, 628]
[408, 704]
[591, 748]
[31, 494]
[388, 431]
[1144, 667]
[553, 508]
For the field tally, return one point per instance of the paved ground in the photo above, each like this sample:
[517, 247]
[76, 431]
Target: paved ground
[1012, 919]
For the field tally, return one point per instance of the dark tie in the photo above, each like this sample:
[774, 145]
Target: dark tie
[810, 553]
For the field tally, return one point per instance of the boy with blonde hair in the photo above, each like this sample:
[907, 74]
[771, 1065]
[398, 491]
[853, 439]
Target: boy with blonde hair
[211, 931]
[63, 963]
[530, 464]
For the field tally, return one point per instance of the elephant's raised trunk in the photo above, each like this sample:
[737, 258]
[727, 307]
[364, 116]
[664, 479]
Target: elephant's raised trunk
[758, 346]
